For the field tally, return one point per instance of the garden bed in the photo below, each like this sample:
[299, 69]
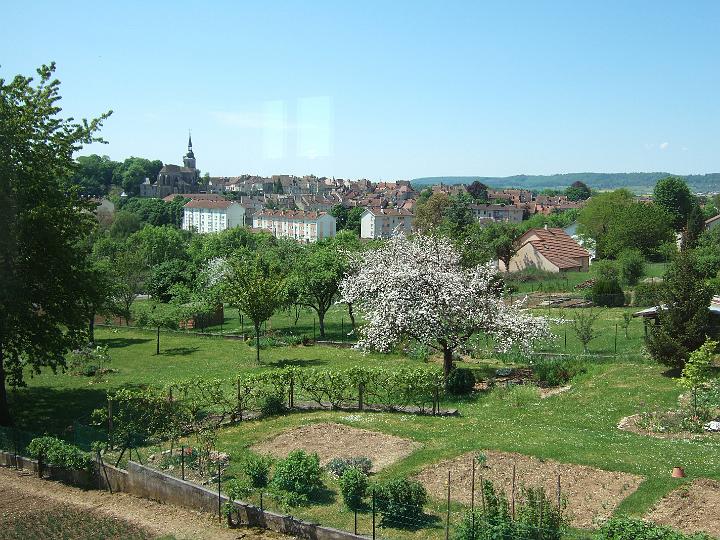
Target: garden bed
[592, 494]
[694, 507]
[630, 423]
[331, 440]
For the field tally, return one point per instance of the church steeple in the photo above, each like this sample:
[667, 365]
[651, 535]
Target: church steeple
[189, 158]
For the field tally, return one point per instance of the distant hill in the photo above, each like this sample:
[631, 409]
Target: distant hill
[640, 182]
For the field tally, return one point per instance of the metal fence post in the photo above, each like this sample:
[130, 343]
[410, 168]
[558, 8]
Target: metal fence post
[447, 519]
[373, 513]
[472, 500]
[219, 495]
[616, 332]
[355, 529]
[182, 462]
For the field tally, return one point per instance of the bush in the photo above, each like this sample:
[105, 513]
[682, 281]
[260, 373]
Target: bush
[519, 395]
[556, 371]
[625, 528]
[272, 405]
[235, 490]
[608, 293]
[297, 477]
[353, 486]
[257, 469]
[647, 294]
[401, 502]
[631, 265]
[54, 451]
[460, 381]
[337, 466]
[604, 269]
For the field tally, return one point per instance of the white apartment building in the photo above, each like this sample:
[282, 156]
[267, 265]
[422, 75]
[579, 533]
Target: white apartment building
[296, 224]
[497, 212]
[385, 222]
[212, 215]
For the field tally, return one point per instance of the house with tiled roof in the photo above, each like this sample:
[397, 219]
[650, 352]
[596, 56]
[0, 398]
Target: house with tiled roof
[299, 225]
[552, 250]
[712, 222]
[212, 215]
[378, 222]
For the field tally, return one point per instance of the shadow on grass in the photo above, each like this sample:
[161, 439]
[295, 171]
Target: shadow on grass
[323, 496]
[179, 351]
[297, 362]
[672, 373]
[117, 343]
[421, 520]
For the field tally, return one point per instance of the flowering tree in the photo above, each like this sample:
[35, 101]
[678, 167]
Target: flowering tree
[418, 289]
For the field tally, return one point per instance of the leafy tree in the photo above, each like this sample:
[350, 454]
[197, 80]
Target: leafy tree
[640, 226]
[683, 318]
[457, 217]
[478, 191]
[607, 292]
[164, 276]
[44, 270]
[583, 324]
[673, 195]
[156, 211]
[503, 239]
[129, 274]
[255, 286]
[417, 289]
[340, 213]
[353, 219]
[631, 266]
[94, 174]
[124, 224]
[597, 215]
[707, 253]
[694, 228]
[578, 191]
[698, 368]
[315, 282]
[159, 244]
[157, 315]
[353, 487]
[429, 215]
[133, 172]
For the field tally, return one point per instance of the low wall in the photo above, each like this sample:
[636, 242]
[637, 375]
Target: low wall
[148, 483]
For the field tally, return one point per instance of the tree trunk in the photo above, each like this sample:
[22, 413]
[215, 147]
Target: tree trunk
[352, 316]
[447, 361]
[5, 418]
[91, 328]
[321, 322]
[257, 342]
[157, 347]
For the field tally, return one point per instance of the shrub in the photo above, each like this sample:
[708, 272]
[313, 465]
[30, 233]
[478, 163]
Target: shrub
[556, 371]
[235, 490]
[460, 381]
[401, 501]
[647, 294]
[631, 266]
[626, 528]
[337, 466]
[257, 469]
[353, 486]
[608, 293]
[54, 451]
[519, 395]
[296, 477]
[272, 405]
[605, 270]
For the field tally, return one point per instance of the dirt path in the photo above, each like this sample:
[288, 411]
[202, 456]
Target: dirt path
[25, 494]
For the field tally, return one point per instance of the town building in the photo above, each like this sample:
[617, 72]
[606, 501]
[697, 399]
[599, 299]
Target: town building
[212, 215]
[497, 212]
[712, 223]
[385, 222]
[552, 250]
[299, 225]
[174, 178]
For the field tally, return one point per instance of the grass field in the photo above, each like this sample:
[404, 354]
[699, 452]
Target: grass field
[578, 426]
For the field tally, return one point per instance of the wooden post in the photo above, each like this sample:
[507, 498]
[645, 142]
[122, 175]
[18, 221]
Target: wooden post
[182, 462]
[373, 513]
[219, 495]
[110, 424]
[355, 528]
[482, 491]
[472, 499]
[616, 332]
[239, 407]
[558, 493]
[512, 494]
[291, 393]
[447, 519]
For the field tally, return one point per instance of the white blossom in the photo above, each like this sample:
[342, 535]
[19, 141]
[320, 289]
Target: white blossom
[417, 288]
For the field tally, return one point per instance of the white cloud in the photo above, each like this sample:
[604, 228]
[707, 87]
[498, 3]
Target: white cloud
[664, 146]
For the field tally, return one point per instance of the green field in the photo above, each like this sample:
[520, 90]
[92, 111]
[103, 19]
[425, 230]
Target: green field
[576, 427]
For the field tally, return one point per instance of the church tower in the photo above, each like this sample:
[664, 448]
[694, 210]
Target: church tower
[189, 158]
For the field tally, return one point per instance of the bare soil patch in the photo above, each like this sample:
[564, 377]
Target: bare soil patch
[692, 508]
[554, 391]
[29, 502]
[332, 440]
[630, 423]
[592, 494]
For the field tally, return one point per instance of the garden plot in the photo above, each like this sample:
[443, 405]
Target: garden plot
[331, 440]
[694, 507]
[591, 493]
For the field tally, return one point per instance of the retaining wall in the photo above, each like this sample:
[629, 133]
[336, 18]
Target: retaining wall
[148, 483]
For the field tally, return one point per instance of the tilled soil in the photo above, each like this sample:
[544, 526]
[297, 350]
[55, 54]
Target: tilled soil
[26, 498]
[592, 494]
[332, 440]
[692, 508]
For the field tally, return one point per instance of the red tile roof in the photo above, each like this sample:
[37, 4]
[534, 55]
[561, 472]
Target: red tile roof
[556, 246]
[209, 204]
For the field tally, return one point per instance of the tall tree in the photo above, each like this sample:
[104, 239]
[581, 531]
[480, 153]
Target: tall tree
[597, 215]
[417, 289]
[694, 228]
[683, 317]
[316, 280]
[637, 226]
[478, 191]
[673, 194]
[44, 271]
[429, 215]
[578, 191]
[255, 286]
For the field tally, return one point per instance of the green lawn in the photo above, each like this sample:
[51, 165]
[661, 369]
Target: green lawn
[576, 427]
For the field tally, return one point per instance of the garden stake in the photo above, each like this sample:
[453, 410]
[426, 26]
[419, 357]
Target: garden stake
[355, 529]
[219, 496]
[447, 519]
[482, 492]
[616, 327]
[110, 423]
[512, 495]
[558, 491]
[373, 513]
[182, 462]
[472, 498]
[102, 464]
[342, 330]
[138, 455]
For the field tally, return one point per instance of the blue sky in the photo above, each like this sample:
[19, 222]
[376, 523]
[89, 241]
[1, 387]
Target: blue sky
[387, 90]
